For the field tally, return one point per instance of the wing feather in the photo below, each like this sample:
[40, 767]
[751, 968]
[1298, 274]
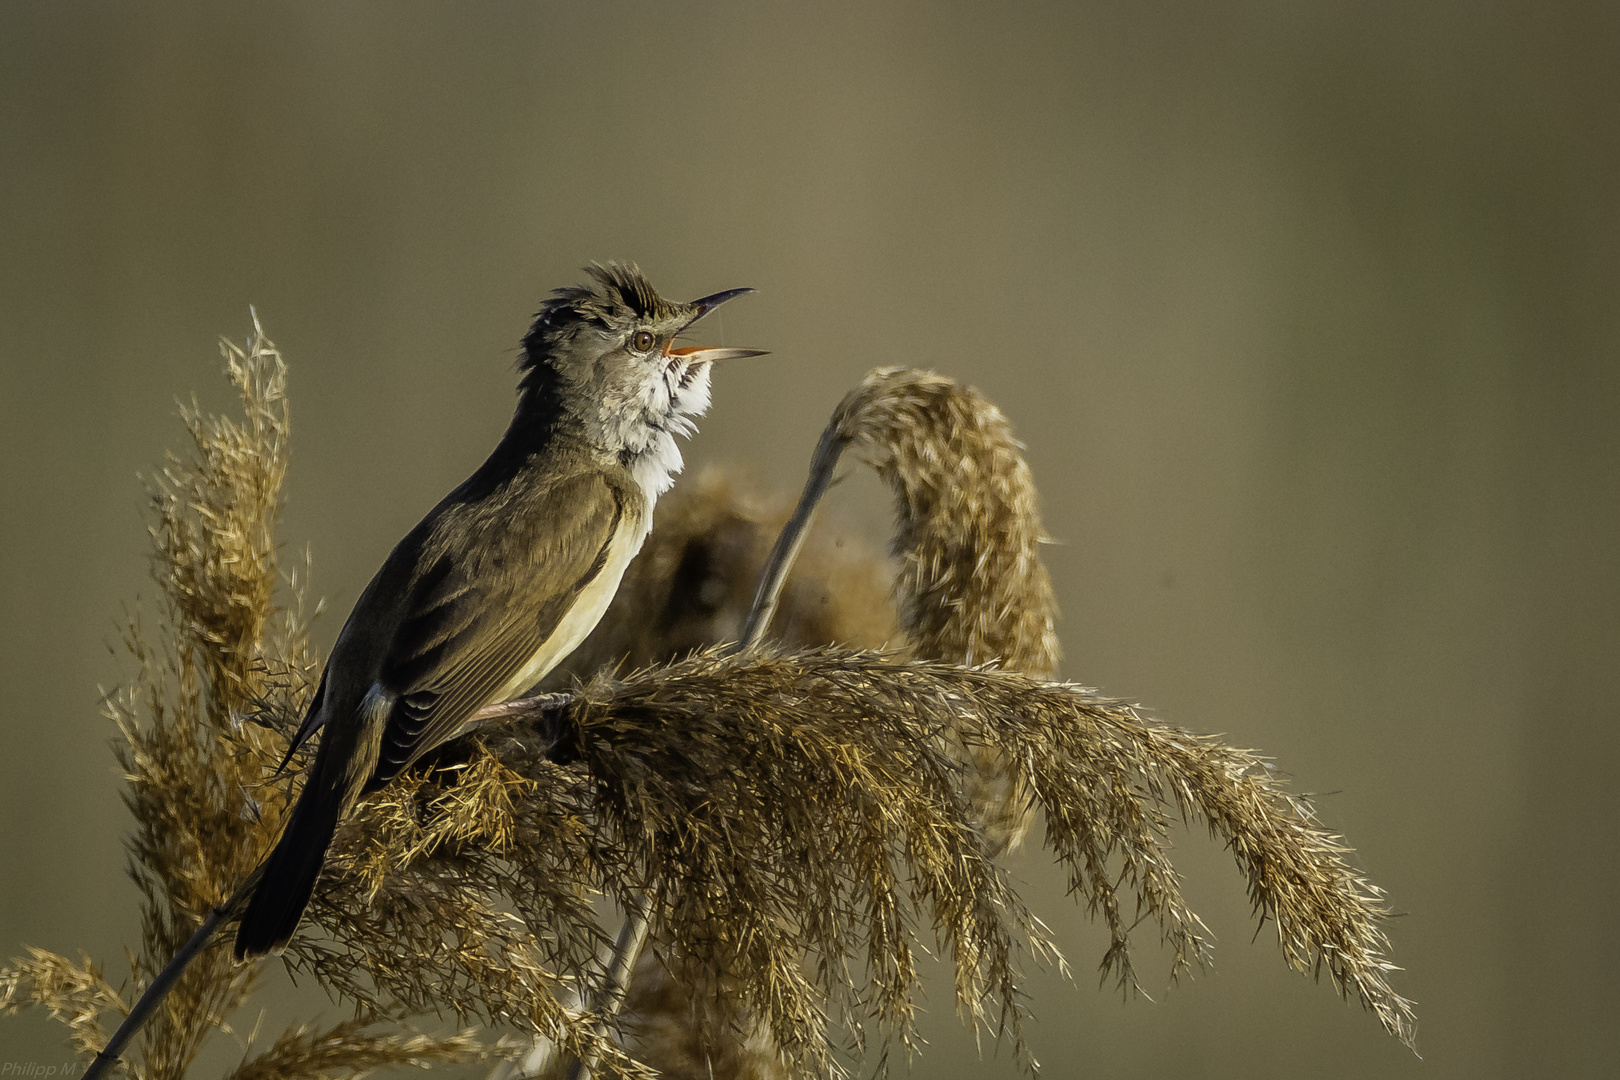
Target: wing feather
[466, 634]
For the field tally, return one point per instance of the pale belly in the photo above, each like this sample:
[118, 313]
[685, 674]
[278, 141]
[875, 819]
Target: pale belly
[580, 620]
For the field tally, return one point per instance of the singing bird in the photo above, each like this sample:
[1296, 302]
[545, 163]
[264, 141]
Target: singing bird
[510, 572]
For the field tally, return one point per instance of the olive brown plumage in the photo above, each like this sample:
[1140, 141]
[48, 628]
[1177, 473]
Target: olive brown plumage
[510, 571]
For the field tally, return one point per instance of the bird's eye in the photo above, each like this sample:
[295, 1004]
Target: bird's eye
[642, 341]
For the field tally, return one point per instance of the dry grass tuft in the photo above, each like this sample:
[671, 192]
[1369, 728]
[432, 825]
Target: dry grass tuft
[803, 825]
[190, 757]
[972, 584]
[227, 657]
[351, 1048]
[782, 806]
[74, 993]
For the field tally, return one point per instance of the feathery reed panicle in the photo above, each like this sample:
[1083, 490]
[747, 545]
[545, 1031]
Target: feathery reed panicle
[972, 585]
[351, 1048]
[226, 663]
[190, 761]
[804, 804]
[74, 993]
[801, 826]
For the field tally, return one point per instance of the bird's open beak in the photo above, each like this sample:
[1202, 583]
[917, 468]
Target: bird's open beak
[713, 300]
[705, 354]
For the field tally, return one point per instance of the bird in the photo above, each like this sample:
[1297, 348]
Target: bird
[509, 572]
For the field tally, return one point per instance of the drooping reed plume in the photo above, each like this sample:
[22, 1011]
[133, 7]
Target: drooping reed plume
[798, 824]
[971, 587]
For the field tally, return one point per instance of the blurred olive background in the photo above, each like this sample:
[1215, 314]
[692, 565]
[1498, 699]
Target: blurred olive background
[1307, 313]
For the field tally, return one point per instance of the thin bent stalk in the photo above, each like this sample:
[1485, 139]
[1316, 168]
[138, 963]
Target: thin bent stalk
[616, 981]
[164, 982]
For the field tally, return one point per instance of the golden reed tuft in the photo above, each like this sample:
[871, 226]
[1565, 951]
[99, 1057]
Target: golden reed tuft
[967, 541]
[792, 816]
[972, 583]
[225, 656]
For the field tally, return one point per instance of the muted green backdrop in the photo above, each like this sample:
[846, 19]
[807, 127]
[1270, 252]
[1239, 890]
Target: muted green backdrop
[1308, 313]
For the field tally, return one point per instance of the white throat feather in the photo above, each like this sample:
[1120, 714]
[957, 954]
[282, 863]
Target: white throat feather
[640, 428]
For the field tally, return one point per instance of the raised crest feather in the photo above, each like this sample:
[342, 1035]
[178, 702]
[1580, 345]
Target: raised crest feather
[618, 295]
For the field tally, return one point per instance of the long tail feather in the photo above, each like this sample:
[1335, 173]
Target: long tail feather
[290, 872]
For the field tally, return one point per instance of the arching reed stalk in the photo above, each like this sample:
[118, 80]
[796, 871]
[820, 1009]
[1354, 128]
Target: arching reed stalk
[972, 587]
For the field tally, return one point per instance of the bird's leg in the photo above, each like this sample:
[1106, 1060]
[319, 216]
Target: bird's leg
[501, 710]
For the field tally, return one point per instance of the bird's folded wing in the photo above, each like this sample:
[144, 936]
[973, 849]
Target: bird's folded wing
[470, 628]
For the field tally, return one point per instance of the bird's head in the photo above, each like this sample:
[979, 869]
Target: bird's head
[605, 353]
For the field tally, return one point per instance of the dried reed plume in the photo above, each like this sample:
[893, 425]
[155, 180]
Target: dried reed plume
[967, 540]
[972, 585]
[224, 651]
[797, 823]
[851, 741]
